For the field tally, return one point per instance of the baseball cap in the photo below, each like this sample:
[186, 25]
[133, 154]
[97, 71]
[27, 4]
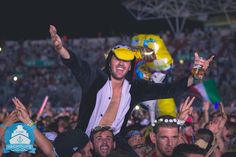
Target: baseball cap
[132, 133]
[123, 52]
[67, 143]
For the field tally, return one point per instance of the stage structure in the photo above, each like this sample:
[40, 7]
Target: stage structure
[179, 10]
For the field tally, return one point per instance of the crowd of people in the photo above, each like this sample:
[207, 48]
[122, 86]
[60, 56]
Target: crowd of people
[24, 60]
[207, 132]
[39, 72]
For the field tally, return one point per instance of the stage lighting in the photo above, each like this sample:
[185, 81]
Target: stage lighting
[137, 107]
[181, 61]
[15, 78]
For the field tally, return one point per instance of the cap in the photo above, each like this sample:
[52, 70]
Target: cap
[67, 143]
[132, 133]
[123, 52]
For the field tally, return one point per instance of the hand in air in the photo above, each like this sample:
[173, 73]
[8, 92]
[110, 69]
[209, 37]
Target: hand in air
[57, 42]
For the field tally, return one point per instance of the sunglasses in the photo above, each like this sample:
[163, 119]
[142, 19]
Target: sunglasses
[101, 128]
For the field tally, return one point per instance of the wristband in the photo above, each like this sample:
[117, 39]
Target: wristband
[180, 122]
[3, 126]
[31, 123]
[33, 126]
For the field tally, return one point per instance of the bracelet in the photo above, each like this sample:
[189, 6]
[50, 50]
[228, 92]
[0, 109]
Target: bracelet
[33, 126]
[31, 123]
[3, 126]
[180, 122]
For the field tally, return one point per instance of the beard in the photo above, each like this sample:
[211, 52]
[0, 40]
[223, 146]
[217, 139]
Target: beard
[115, 76]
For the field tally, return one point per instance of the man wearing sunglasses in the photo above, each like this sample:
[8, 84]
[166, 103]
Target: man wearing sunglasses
[109, 95]
[103, 141]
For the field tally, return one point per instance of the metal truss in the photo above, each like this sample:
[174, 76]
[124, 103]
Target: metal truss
[180, 10]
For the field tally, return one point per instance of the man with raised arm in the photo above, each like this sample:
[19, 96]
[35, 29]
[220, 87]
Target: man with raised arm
[109, 95]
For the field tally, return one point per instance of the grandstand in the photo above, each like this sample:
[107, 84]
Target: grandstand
[31, 69]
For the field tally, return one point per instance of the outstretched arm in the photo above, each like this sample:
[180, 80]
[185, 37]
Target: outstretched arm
[57, 42]
[41, 141]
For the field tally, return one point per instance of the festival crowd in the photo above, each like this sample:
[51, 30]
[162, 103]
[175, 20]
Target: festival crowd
[31, 70]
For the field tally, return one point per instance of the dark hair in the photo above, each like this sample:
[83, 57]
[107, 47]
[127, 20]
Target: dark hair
[66, 142]
[165, 121]
[129, 75]
[207, 136]
[183, 150]
[101, 129]
[229, 154]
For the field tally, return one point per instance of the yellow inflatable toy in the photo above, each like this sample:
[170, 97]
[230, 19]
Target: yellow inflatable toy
[153, 62]
[151, 49]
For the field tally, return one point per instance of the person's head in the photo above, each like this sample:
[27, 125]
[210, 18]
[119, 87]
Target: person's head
[188, 150]
[204, 139]
[165, 135]
[120, 62]
[73, 143]
[213, 126]
[229, 131]
[103, 141]
[136, 141]
[188, 129]
[63, 124]
[216, 116]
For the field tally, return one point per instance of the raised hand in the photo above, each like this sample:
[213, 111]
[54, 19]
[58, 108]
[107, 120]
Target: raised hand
[222, 110]
[57, 42]
[10, 119]
[22, 112]
[198, 61]
[186, 108]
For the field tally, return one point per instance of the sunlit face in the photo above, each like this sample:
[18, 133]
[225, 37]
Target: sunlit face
[166, 140]
[119, 68]
[103, 143]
